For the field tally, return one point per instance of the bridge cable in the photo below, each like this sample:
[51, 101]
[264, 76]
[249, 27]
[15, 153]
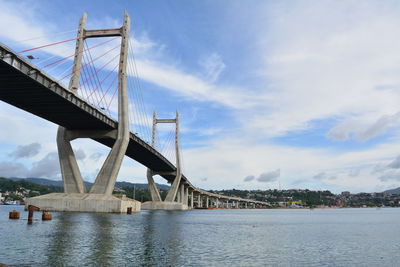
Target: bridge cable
[53, 56]
[88, 62]
[86, 86]
[89, 85]
[133, 119]
[116, 89]
[106, 77]
[133, 109]
[96, 80]
[167, 145]
[92, 73]
[43, 36]
[143, 118]
[109, 87]
[87, 91]
[146, 118]
[61, 42]
[102, 67]
[79, 52]
[135, 96]
[86, 76]
[137, 127]
[134, 99]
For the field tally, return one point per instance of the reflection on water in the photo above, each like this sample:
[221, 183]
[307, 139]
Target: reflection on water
[161, 238]
[343, 237]
[102, 242]
[60, 245]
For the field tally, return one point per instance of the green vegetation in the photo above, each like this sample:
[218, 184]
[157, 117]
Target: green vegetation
[140, 194]
[20, 189]
[30, 189]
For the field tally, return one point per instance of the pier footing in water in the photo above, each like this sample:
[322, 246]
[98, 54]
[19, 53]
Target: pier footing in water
[84, 203]
[163, 205]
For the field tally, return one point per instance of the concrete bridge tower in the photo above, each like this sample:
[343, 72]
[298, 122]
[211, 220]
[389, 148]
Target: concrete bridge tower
[99, 198]
[177, 197]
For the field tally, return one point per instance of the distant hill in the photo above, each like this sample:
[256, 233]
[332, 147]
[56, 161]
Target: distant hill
[40, 181]
[16, 184]
[140, 186]
[48, 182]
[393, 191]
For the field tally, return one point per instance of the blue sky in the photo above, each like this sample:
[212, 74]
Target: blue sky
[298, 93]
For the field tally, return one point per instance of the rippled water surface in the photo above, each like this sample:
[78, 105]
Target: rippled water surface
[331, 237]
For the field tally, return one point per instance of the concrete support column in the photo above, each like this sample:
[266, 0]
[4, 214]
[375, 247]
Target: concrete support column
[199, 201]
[186, 198]
[207, 202]
[178, 197]
[245, 205]
[191, 200]
[71, 175]
[105, 180]
[174, 186]
[182, 193]
[70, 172]
[155, 194]
[216, 203]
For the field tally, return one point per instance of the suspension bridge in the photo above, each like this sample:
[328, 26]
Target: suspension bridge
[95, 92]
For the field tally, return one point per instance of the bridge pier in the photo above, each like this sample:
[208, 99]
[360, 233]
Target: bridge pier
[177, 197]
[191, 200]
[182, 193]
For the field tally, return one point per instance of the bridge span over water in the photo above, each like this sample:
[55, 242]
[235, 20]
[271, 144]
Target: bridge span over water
[24, 85]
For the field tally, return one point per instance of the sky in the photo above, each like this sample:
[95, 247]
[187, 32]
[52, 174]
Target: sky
[271, 94]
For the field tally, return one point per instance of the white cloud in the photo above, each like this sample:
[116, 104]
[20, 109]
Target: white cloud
[395, 164]
[390, 176]
[80, 154]
[363, 131]
[330, 59]
[324, 176]
[26, 151]
[249, 178]
[213, 66]
[192, 87]
[354, 172]
[234, 158]
[12, 169]
[268, 177]
[96, 156]
[48, 167]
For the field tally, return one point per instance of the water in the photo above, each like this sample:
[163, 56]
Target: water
[331, 237]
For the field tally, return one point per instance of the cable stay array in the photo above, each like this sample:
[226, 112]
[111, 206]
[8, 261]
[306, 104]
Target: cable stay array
[165, 144]
[140, 120]
[98, 72]
[98, 83]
